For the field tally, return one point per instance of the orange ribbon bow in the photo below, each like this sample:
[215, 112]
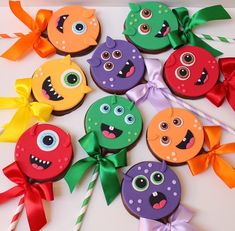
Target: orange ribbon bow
[32, 40]
[201, 162]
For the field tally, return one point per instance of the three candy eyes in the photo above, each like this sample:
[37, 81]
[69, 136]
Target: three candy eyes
[48, 140]
[105, 55]
[144, 28]
[71, 78]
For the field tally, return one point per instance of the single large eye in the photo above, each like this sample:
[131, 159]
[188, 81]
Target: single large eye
[105, 55]
[71, 78]
[79, 27]
[129, 119]
[165, 140]
[157, 178]
[146, 14]
[140, 183]
[108, 66]
[178, 122]
[163, 126]
[47, 140]
[144, 29]
[105, 108]
[117, 54]
[119, 110]
[182, 73]
[187, 58]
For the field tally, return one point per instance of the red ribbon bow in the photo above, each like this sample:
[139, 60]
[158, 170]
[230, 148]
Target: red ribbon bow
[33, 195]
[225, 89]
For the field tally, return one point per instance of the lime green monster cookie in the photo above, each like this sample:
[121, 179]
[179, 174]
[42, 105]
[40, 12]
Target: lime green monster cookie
[148, 24]
[116, 121]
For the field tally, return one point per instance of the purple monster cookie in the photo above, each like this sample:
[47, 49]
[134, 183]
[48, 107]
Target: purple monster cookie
[116, 66]
[151, 190]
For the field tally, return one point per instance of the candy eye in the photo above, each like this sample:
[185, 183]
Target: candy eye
[79, 27]
[117, 54]
[182, 73]
[140, 183]
[105, 55]
[47, 140]
[165, 140]
[71, 78]
[119, 110]
[108, 66]
[144, 29]
[146, 14]
[129, 119]
[178, 122]
[105, 108]
[187, 58]
[163, 126]
[157, 178]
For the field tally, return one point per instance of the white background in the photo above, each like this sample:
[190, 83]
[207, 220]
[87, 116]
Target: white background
[211, 200]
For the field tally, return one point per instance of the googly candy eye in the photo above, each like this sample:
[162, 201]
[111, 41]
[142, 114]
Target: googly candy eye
[119, 110]
[105, 55]
[165, 140]
[178, 122]
[108, 66]
[71, 78]
[144, 29]
[157, 178]
[146, 13]
[105, 108]
[79, 27]
[47, 140]
[187, 58]
[140, 183]
[182, 73]
[129, 119]
[163, 126]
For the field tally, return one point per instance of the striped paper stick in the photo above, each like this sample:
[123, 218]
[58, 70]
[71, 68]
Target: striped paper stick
[216, 38]
[13, 35]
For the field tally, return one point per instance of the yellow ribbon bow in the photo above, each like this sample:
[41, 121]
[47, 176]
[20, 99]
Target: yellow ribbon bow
[201, 162]
[26, 110]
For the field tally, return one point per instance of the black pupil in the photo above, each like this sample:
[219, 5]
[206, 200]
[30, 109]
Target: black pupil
[140, 182]
[117, 53]
[165, 138]
[188, 58]
[47, 140]
[106, 108]
[72, 78]
[157, 177]
[105, 54]
[79, 27]
[164, 125]
[130, 119]
[146, 12]
[176, 121]
[183, 72]
[119, 109]
[109, 65]
[145, 27]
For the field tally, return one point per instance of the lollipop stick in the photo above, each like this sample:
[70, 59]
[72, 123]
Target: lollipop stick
[9, 36]
[216, 38]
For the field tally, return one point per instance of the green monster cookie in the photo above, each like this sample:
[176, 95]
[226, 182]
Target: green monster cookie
[148, 24]
[116, 121]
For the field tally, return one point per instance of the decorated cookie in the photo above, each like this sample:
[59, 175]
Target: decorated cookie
[191, 72]
[44, 152]
[175, 135]
[60, 83]
[148, 24]
[116, 121]
[73, 30]
[151, 190]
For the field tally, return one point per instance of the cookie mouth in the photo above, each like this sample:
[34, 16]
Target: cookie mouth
[49, 92]
[60, 23]
[164, 30]
[39, 164]
[187, 142]
[203, 78]
[110, 132]
[158, 200]
[128, 70]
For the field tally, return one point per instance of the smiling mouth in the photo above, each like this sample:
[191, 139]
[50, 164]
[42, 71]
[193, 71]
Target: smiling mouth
[203, 78]
[127, 71]
[38, 163]
[49, 92]
[60, 24]
[164, 30]
[110, 132]
[187, 142]
[158, 200]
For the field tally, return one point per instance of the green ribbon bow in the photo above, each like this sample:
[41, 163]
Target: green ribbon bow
[107, 167]
[185, 34]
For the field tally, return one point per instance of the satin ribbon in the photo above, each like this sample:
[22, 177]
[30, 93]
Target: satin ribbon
[26, 110]
[152, 89]
[178, 221]
[34, 39]
[33, 195]
[185, 34]
[226, 88]
[201, 162]
[107, 167]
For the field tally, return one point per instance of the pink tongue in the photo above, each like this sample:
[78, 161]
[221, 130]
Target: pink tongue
[109, 135]
[37, 167]
[130, 72]
[45, 94]
[160, 205]
[167, 31]
[191, 143]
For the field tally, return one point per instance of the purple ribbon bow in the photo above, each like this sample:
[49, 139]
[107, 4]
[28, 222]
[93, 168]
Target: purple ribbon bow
[178, 221]
[152, 89]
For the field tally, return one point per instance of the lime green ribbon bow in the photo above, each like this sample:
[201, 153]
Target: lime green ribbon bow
[107, 167]
[185, 34]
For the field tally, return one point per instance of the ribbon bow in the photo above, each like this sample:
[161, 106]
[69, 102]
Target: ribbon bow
[33, 195]
[225, 89]
[34, 39]
[26, 110]
[107, 167]
[178, 221]
[201, 162]
[185, 34]
[152, 89]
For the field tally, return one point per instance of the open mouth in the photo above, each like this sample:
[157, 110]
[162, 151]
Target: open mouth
[60, 23]
[187, 142]
[49, 92]
[157, 200]
[203, 78]
[164, 30]
[110, 132]
[127, 71]
[38, 163]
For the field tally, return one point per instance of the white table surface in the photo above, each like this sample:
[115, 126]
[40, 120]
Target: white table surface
[212, 202]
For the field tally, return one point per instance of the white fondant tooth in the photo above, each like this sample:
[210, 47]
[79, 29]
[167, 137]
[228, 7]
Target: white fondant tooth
[120, 72]
[48, 162]
[111, 128]
[127, 63]
[61, 27]
[52, 89]
[164, 25]
[44, 162]
[49, 80]
[36, 158]
[40, 161]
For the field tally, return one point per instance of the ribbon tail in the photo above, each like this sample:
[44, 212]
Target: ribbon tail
[44, 48]
[231, 95]
[182, 227]
[150, 225]
[217, 94]
[11, 193]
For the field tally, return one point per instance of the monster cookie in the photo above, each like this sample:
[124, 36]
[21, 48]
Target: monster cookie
[44, 152]
[191, 72]
[116, 121]
[60, 83]
[175, 135]
[116, 66]
[151, 190]
[148, 24]
[73, 30]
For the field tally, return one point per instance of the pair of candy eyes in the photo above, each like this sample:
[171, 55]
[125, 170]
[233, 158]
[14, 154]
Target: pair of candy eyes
[145, 28]
[79, 28]
[105, 55]
[118, 111]
[71, 78]
[47, 140]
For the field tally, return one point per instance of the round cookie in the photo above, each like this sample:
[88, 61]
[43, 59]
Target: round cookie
[191, 72]
[151, 190]
[116, 66]
[44, 152]
[60, 83]
[175, 135]
[116, 121]
[73, 30]
[148, 24]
